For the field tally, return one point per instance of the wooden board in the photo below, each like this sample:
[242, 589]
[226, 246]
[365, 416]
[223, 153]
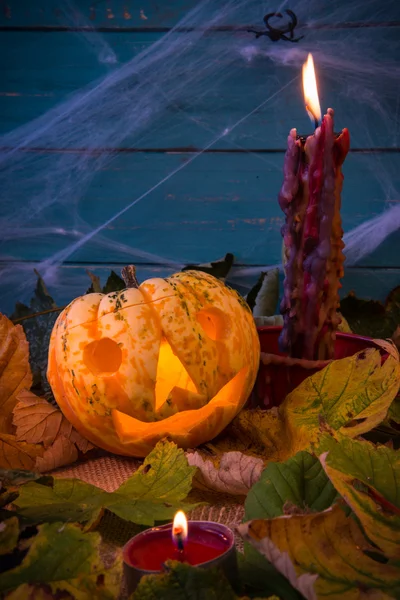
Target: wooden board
[230, 102]
[154, 13]
[208, 205]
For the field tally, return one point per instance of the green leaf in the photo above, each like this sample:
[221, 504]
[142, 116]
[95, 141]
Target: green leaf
[218, 268]
[184, 582]
[62, 556]
[368, 478]
[347, 398]
[372, 318]
[9, 533]
[114, 283]
[299, 484]
[260, 577]
[154, 493]
[38, 331]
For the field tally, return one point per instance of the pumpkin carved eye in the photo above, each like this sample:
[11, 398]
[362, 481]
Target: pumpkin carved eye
[102, 357]
[215, 323]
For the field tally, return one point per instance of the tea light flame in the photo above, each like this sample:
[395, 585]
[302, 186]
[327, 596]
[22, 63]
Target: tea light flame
[310, 91]
[180, 529]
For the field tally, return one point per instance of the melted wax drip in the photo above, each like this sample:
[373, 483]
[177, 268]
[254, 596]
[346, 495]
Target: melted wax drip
[310, 199]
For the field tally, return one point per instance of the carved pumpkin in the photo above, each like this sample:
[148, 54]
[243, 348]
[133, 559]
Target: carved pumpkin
[174, 358]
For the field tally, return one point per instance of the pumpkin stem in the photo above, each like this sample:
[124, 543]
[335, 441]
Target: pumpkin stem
[129, 276]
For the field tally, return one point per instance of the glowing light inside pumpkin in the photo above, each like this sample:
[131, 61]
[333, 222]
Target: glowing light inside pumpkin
[310, 90]
[170, 374]
[180, 530]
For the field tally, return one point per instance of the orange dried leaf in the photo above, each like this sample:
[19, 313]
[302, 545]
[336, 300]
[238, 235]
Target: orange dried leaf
[62, 452]
[15, 372]
[17, 455]
[82, 444]
[36, 420]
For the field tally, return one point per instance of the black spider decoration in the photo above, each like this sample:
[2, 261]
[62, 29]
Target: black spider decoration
[275, 35]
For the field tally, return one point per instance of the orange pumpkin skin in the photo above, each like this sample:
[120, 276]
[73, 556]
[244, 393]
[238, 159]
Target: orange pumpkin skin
[176, 358]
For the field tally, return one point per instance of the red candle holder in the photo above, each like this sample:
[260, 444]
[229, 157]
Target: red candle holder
[208, 545]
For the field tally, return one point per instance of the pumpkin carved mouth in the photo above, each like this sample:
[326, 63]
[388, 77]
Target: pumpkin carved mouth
[160, 360]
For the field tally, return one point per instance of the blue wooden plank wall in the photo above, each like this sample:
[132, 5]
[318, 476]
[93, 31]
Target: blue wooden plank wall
[224, 200]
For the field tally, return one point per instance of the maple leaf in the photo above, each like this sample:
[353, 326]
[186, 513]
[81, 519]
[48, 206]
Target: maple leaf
[15, 372]
[38, 421]
[17, 455]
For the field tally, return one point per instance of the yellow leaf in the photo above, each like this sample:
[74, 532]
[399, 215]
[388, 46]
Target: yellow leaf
[15, 372]
[324, 555]
[17, 455]
[368, 478]
[347, 398]
[36, 420]
[62, 452]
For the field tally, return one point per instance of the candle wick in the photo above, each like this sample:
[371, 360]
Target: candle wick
[312, 116]
[179, 542]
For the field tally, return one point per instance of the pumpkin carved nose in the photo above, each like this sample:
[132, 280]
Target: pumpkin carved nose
[102, 357]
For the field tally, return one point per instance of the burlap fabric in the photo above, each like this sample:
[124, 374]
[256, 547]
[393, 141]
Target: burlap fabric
[109, 472]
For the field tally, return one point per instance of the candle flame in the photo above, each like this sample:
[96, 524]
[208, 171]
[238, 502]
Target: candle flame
[310, 91]
[179, 528]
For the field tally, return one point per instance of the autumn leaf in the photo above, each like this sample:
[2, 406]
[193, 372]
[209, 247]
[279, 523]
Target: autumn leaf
[347, 398]
[17, 455]
[65, 559]
[234, 474]
[233, 462]
[324, 554]
[62, 452]
[15, 372]
[368, 478]
[38, 331]
[255, 432]
[153, 493]
[9, 533]
[38, 421]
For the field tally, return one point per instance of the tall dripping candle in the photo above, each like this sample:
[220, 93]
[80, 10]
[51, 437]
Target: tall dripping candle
[312, 233]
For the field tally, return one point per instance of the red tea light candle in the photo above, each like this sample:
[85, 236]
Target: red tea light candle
[203, 544]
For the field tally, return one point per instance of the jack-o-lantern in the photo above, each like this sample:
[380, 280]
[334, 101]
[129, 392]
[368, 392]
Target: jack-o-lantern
[174, 358]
